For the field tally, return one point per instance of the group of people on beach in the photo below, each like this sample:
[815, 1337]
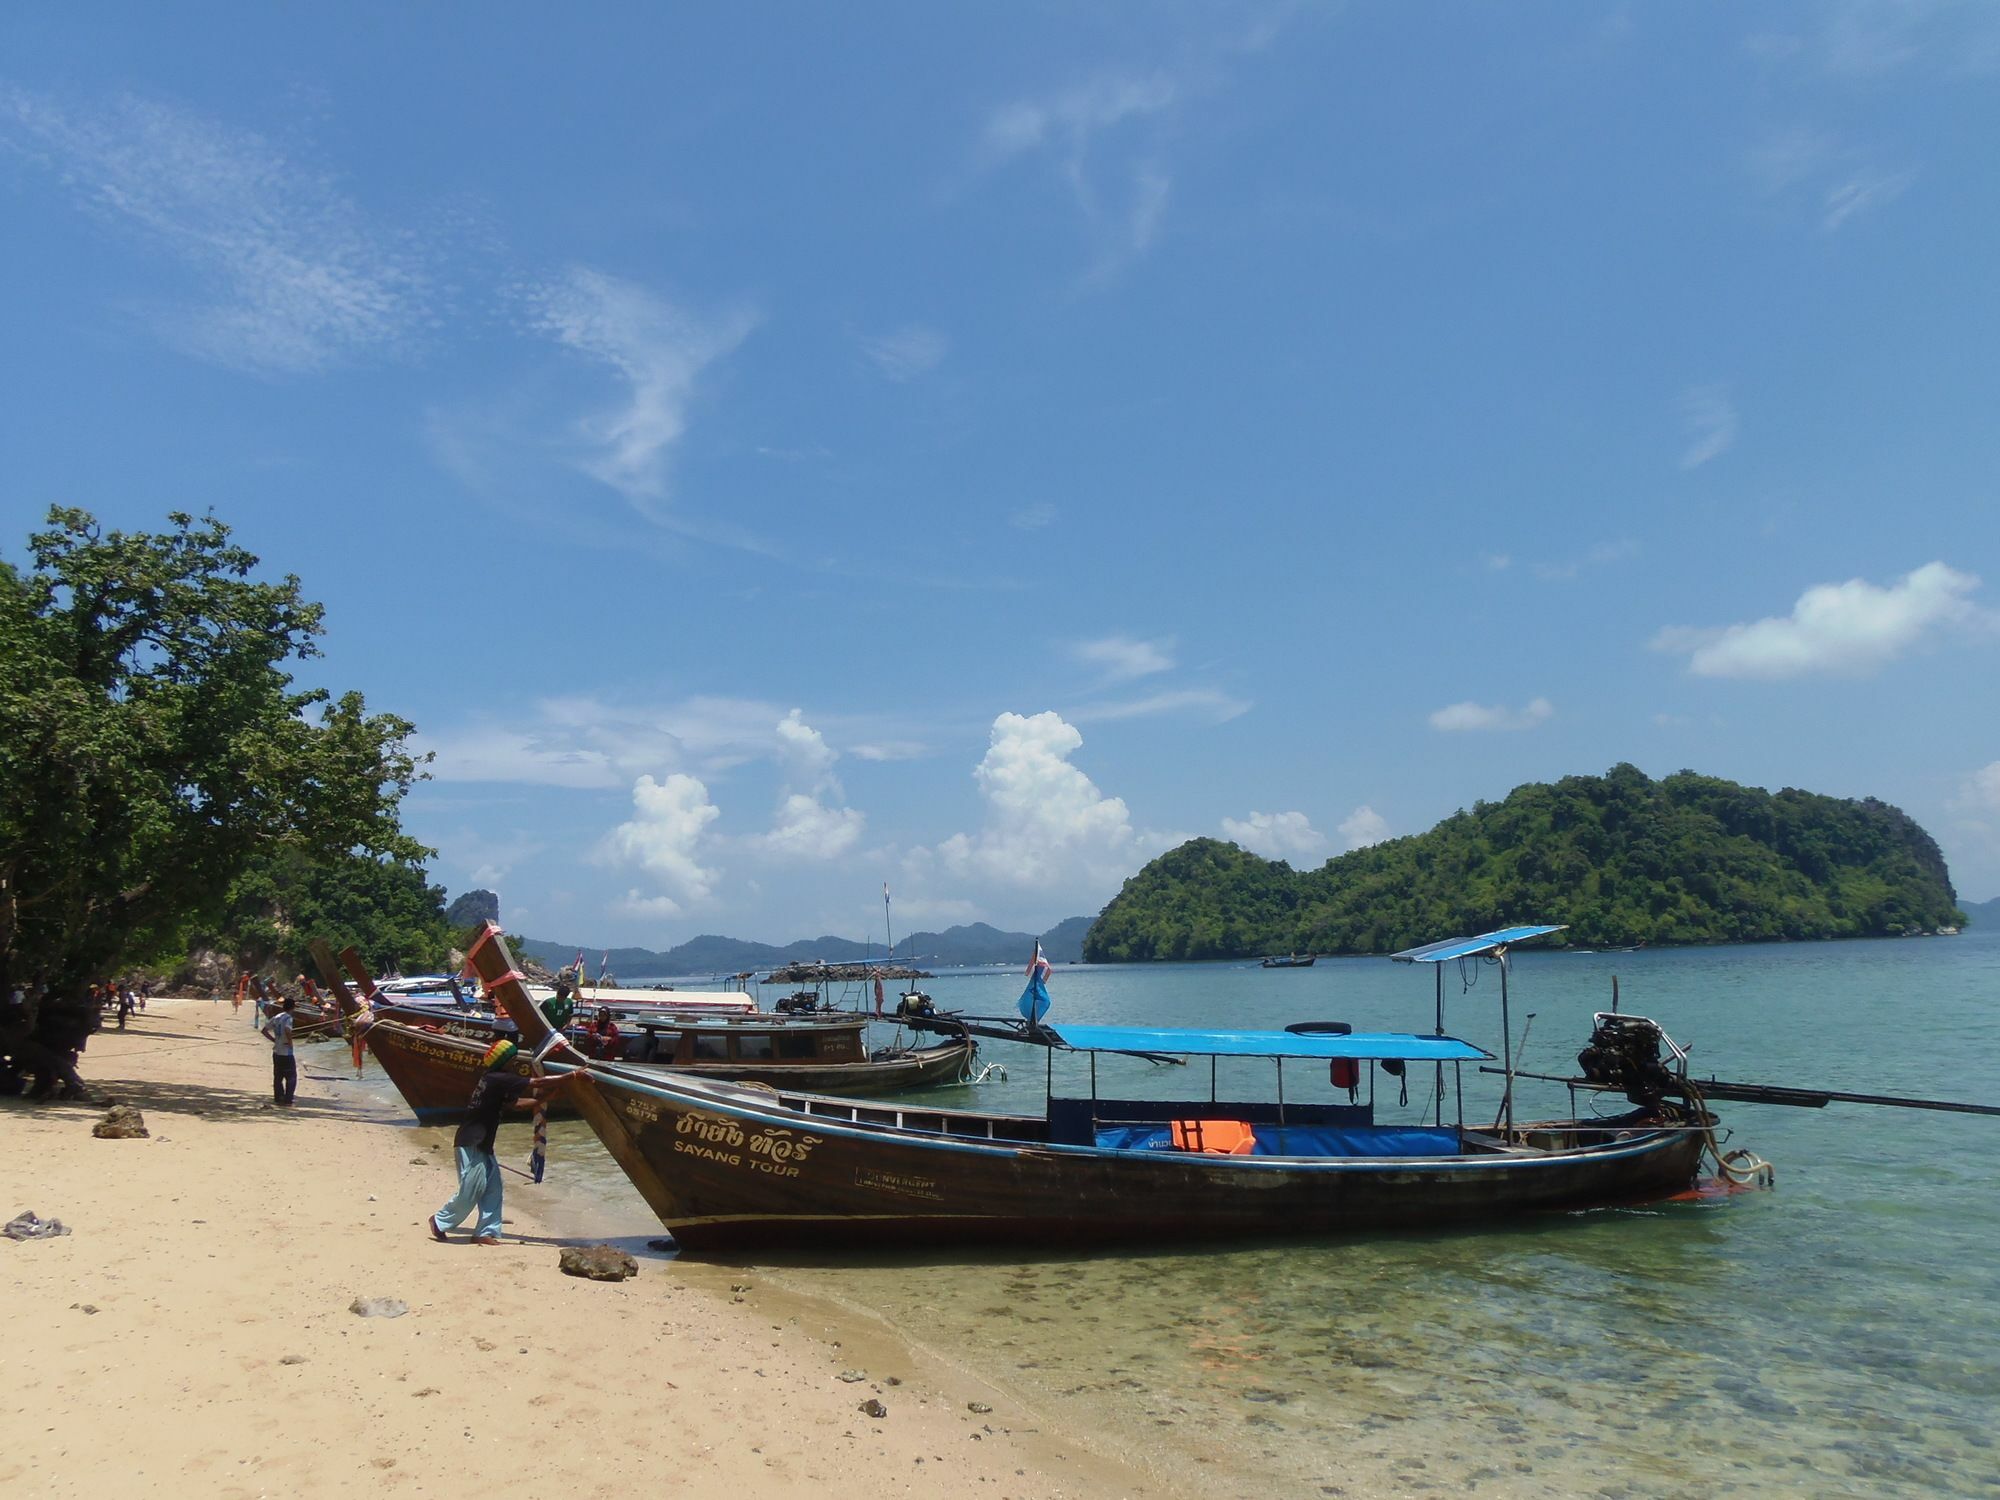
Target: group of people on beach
[121, 997]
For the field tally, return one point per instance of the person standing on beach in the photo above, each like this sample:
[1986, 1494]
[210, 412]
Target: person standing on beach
[284, 1065]
[479, 1181]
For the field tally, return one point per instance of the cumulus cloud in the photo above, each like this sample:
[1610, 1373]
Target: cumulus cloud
[908, 352]
[295, 275]
[659, 350]
[1046, 821]
[1364, 826]
[1121, 658]
[664, 837]
[1848, 629]
[1282, 835]
[1469, 716]
[1980, 791]
[811, 822]
[1709, 420]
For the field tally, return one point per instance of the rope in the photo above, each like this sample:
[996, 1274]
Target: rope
[1739, 1167]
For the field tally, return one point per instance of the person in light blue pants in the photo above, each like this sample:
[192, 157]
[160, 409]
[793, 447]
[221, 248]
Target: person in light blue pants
[479, 1182]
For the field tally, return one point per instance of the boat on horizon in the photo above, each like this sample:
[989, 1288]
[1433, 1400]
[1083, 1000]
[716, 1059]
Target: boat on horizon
[1290, 961]
[727, 1168]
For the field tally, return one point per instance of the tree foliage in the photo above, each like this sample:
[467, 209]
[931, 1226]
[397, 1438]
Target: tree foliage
[153, 746]
[1619, 858]
[387, 909]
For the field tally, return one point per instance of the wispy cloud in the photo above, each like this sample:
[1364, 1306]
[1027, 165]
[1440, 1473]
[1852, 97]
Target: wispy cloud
[1205, 703]
[1861, 194]
[1469, 716]
[1033, 517]
[294, 273]
[1121, 657]
[1815, 174]
[1601, 555]
[1122, 203]
[908, 352]
[1709, 420]
[657, 349]
[1850, 629]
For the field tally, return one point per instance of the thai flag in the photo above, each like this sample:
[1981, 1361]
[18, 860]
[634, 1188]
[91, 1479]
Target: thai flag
[1034, 1002]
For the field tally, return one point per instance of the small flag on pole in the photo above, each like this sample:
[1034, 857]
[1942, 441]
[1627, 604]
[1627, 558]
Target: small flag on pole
[1034, 1002]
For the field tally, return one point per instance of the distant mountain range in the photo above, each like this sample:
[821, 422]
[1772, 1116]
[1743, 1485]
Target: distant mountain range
[708, 954]
[1983, 914]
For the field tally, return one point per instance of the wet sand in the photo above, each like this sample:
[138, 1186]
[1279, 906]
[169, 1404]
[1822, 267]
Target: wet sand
[193, 1333]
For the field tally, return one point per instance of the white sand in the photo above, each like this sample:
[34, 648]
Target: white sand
[236, 1237]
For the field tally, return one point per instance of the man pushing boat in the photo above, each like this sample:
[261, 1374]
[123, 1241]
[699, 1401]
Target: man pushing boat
[479, 1180]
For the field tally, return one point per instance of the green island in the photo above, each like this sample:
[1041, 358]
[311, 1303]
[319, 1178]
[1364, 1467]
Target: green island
[1620, 858]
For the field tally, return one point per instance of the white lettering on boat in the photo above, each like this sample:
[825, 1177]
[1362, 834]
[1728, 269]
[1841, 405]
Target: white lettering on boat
[901, 1184]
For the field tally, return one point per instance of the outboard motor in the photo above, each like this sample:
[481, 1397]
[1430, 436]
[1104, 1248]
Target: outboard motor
[799, 1003]
[1624, 1052]
[915, 1003]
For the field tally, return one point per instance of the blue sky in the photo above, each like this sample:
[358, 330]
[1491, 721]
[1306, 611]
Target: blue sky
[772, 451]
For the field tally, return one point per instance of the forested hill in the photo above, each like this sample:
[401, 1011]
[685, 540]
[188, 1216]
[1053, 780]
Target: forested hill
[1620, 858]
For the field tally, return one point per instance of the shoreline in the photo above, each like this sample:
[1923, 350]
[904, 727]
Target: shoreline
[194, 1327]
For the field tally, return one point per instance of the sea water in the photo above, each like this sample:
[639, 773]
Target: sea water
[1839, 1335]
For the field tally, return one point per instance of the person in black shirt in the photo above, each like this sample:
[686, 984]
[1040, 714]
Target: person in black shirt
[479, 1180]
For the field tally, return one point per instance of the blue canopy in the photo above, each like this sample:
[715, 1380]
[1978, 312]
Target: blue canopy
[1361, 1045]
[1469, 947]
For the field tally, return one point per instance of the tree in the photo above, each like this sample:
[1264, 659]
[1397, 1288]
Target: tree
[152, 744]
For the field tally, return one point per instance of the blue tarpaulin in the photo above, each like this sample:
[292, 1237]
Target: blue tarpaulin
[1360, 1045]
[1303, 1140]
[1469, 947]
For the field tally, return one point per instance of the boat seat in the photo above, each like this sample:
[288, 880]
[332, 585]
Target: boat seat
[1214, 1137]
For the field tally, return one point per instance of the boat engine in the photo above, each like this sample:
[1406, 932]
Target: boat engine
[915, 1003]
[801, 1003]
[1624, 1052]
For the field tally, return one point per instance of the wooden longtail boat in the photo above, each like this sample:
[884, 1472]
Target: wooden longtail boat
[727, 1167]
[1291, 962]
[435, 1069]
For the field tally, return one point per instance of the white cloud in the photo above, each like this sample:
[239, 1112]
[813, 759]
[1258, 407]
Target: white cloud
[1047, 824]
[1470, 716]
[659, 350]
[1980, 792]
[810, 822]
[1601, 555]
[908, 352]
[1364, 826]
[297, 276]
[891, 750]
[1122, 206]
[1710, 422]
[1070, 118]
[1217, 708]
[664, 837]
[1275, 835]
[1862, 193]
[1846, 629]
[806, 828]
[1033, 517]
[1498, 562]
[1121, 658]
[636, 903]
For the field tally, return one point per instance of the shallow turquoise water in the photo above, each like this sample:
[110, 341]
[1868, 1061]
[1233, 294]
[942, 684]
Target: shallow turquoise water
[1837, 1336]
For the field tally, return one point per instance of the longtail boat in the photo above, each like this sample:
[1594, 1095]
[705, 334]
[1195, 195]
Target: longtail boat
[726, 1167]
[434, 1069]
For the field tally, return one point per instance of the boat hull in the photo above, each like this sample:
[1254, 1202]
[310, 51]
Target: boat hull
[435, 1071]
[727, 1172]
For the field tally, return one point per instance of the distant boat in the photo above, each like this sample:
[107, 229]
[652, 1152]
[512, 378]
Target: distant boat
[1291, 961]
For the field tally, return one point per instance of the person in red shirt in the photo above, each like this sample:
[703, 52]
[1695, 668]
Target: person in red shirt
[603, 1035]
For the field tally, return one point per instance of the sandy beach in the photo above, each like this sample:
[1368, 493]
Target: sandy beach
[193, 1334]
